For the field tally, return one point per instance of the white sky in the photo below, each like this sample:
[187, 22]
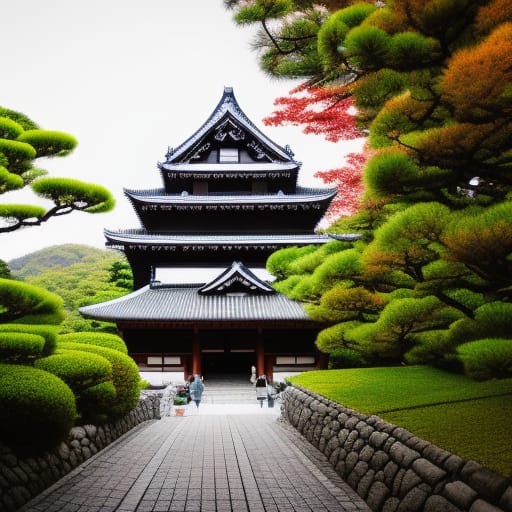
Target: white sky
[127, 79]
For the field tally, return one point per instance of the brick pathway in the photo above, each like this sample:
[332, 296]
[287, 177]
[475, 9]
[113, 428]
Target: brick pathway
[204, 462]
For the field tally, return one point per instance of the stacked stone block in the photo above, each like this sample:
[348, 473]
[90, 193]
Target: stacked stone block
[390, 468]
[23, 477]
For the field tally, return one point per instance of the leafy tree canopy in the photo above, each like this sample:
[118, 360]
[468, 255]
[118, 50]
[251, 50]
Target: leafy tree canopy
[429, 84]
[22, 142]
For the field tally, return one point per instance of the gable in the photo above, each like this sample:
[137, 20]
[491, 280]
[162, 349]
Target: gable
[237, 279]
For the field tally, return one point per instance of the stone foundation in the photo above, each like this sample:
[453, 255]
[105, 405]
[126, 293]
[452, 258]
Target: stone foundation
[390, 468]
[22, 478]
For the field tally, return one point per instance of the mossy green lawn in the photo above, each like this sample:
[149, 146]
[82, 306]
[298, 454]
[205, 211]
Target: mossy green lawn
[469, 418]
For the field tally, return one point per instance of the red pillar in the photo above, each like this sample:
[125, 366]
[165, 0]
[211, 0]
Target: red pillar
[196, 353]
[260, 353]
[269, 367]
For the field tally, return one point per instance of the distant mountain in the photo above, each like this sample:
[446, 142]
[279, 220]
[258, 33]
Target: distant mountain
[57, 257]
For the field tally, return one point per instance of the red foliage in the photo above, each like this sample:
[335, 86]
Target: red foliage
[323, 110]
[349, 183]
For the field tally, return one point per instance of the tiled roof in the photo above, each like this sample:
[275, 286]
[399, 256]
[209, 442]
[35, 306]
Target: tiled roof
[227, 105]
[302, 194]
[186, 304]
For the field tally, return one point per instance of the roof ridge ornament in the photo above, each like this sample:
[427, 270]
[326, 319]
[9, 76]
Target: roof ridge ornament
[236, 278]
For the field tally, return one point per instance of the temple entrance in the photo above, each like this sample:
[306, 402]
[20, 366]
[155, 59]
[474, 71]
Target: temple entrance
[227, 361]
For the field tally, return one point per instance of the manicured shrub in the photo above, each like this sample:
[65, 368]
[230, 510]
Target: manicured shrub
[345, 358]
[48, 332]
[37, 408]
[125, 375]
[95, 402]
[487, 359]
[96, 338]
[79, 370]
[27, 304]
[20, 348]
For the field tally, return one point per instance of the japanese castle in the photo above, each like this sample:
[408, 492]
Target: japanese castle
[203, 301]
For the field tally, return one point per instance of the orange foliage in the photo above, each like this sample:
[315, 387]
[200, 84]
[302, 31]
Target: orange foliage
[456, 145]
[485, 247]
[477, 81]
[323, 110]
[492, 14]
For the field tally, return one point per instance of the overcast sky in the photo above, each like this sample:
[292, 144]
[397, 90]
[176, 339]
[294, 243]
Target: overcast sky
[128, 79]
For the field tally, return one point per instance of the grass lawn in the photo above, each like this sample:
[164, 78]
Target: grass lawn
[469, 418]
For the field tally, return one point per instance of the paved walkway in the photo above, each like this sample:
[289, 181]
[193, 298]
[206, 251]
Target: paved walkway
[222, 458]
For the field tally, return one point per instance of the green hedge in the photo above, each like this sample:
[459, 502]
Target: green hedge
[95, 402]
[487, 359]
[37, 408]
[95, 338]
[48, 332]
[79, 370]
[20, 348]
[125, 375]
[28, 304]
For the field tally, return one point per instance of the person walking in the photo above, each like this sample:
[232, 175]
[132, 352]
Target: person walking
[196, 389]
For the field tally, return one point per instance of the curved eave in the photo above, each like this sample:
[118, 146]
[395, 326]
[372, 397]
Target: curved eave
[138, 237]
[249, 168]
[313, 195]
[184, 304]
[228, 105]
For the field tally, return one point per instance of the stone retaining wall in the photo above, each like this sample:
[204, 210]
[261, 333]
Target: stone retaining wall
[22, 478]
[390, 468]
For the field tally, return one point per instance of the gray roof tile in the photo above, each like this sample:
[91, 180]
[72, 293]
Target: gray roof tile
[185, 304]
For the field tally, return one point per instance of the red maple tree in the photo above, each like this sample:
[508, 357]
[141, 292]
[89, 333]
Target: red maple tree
[327, 111]
[348, 180]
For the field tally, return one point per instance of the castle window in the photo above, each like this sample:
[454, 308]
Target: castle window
[228, 155]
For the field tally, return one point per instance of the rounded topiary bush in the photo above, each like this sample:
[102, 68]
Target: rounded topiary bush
[487, 359]
[79, 370]
[125, 375]
[37, 408]
[101, 339]
[48, 332]
[21, 348]
[95, 402]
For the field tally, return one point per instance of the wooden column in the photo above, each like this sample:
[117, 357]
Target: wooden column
[260, 353]
[196, 353]
[269, 367]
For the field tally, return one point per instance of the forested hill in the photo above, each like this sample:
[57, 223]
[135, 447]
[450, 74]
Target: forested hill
[58, 257]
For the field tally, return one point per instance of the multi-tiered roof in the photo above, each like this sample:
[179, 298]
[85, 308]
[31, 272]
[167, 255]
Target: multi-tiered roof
[229, 193]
